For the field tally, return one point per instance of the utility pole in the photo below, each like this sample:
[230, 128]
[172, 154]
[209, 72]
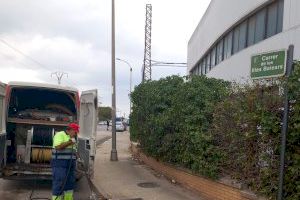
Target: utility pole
[114, 153]
[59, 75]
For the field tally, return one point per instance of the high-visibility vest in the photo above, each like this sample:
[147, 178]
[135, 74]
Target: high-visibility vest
[67, 153]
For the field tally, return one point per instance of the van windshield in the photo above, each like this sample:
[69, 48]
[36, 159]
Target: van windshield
[42, 104]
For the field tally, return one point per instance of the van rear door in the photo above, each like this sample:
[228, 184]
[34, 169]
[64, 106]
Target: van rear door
[2, 125]
[88, 129]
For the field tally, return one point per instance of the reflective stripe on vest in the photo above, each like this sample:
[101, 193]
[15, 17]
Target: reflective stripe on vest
[63, 154]
[63, 157]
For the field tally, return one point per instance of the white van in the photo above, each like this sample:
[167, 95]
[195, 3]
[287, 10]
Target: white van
[30, 115]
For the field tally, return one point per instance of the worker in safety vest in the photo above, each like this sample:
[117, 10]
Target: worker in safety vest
[63, 163]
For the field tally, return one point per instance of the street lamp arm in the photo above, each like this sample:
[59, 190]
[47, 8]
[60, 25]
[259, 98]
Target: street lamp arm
[119, 59]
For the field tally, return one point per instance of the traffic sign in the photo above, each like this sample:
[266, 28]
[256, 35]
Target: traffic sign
[268, 65]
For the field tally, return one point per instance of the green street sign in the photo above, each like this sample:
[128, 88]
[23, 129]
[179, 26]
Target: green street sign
[268, 65]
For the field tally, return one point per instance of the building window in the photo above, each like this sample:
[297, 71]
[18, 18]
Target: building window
[202, 67]
[251, 31]
[243, 36]
[208, 67]
[213, 57]
[271, 20]
[219, 52]
[260, 26]
[236, 34]
[199, 69]
[228, 45]
[279, 16]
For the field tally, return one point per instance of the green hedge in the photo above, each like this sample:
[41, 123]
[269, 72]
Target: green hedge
[171, 118]
[216, 128]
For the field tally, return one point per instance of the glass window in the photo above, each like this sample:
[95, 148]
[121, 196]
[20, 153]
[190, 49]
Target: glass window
[228, 45]
[198, 69]
[260, 25]
[219, 52]
[243, 35]
[213, 57]
[208, 67]
[251, 31]
[280, 16]
[202, 67]
[272, 20]
[236, 36]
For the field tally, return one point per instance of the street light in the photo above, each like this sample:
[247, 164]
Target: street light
[119, 59]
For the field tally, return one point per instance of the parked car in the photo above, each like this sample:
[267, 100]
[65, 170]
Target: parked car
[120, 126]
[30, 115]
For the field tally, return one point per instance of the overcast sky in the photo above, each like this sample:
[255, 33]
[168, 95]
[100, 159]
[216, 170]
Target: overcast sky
[74, 36]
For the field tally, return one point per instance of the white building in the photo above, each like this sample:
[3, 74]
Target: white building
[231, 31]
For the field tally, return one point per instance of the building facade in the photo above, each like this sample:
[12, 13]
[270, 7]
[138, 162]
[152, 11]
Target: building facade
[231, 31]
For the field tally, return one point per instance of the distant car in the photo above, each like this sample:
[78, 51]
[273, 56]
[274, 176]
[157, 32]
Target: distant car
[120, 126]
[102, 123]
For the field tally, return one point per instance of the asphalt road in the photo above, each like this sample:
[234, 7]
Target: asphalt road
[21, 190]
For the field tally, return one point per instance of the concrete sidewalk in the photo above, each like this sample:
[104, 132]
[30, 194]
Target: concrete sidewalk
[128, 179]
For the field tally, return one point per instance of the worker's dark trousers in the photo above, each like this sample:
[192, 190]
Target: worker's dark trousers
[61, 173]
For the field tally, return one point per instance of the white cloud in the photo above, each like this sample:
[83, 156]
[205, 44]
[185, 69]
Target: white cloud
[17, 74]
[74, 36]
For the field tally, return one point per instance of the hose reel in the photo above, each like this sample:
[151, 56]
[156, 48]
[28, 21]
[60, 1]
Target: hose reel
[41, 144]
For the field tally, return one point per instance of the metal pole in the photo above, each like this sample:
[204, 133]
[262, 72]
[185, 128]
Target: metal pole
[114, 153]
[130, 91]
[289, 68]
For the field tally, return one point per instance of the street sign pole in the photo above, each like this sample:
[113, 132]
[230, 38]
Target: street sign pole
[289, 66]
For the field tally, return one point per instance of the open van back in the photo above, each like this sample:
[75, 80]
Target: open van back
[34, 112]
[31, 114]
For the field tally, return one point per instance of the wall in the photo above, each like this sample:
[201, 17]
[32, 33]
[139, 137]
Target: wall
[237, 67]
[220, 16]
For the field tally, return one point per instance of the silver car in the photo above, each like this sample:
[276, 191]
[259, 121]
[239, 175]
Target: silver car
[120, 126]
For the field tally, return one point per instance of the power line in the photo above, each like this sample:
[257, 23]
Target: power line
[168, 64]
[182, 63]
[23, 54]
